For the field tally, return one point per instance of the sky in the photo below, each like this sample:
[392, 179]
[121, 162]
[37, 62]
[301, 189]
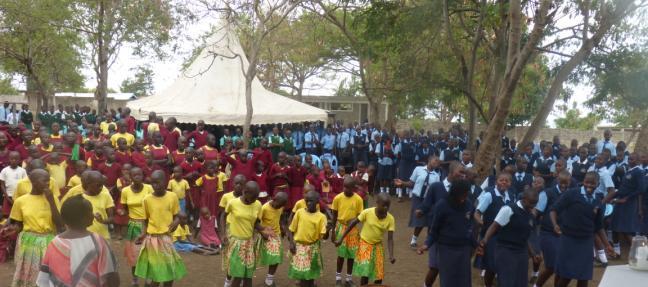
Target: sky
[168, 69]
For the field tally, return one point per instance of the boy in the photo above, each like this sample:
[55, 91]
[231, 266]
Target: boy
[103, 207]
[271, 251]
[306, 230]
[369, 258]
[346, 207]
[9, 177]
[179, 186]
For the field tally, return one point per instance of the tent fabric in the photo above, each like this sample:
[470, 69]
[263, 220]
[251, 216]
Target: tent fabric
[212, 89]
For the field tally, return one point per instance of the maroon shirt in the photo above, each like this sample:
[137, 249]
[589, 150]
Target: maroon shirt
[200, 139]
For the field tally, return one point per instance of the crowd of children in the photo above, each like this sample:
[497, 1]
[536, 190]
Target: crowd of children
[163, 191]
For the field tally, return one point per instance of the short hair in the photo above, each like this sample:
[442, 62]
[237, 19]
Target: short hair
[76, 212]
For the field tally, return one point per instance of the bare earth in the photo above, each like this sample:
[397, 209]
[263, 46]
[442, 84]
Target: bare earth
[409, 269]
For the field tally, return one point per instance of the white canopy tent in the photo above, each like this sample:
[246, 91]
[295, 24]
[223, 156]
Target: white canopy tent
[212, 89]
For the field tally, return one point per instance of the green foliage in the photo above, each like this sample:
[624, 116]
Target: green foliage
[6, 88]
[349, 88]
[573, 120]
[141, 84]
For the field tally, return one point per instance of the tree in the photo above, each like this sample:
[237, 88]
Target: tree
[141, 84]
[256, 20]
[6, 88]
[573, 120]
[35, 44]
[598, 18]
[109, 25]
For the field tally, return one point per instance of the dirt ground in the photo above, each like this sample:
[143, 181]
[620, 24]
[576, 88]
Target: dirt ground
[409, 269]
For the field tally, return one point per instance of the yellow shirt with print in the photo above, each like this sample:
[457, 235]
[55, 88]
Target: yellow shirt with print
[135, 201]
[271, 217]
[180, 188]
[24, 186]
[160, 210]
[35, 213]
[374, 228]
[307, 227]
[222, 178]
[241, 218]
[181, 233]
[347, 207]
[130, 139]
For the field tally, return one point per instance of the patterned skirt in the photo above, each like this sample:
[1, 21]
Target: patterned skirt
[350, 243]
[158, 260]
[132, 250]
[29, 254]
[270, 251]
[307, 263]
[370, 261]
[240, 260]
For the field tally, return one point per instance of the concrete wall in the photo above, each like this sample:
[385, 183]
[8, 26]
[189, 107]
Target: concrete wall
[65, 101]
[566, 135]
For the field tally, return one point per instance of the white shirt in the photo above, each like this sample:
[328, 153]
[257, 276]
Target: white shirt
[13, 118]
[503, 217]
[418, 178]
[11, 177]
[485, 199]
[606, 144]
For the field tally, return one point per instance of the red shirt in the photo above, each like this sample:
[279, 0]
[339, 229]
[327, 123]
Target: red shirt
[171, 138]
[277, 181]
[265, 156]
[262, 180]
[95, 161]
[200, 138]
[131, 122]
[190, 167]
[122, 157]
[297, 176]
[138, 159]
[178, 157]
[238, 167]
[22, 150]
[112, 172]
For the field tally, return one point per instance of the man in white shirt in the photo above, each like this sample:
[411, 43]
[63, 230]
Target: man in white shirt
[606, 143]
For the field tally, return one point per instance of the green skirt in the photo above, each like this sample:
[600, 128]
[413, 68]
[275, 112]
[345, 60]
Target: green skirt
[132, 250]
[158, 260]
[270, 251]
[134, 229]
[307, 263]
[241, 258]
[350, 243]
[30, 250]
[370, 261]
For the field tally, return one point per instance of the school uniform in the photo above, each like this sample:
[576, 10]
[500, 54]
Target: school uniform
[549, 240]
[386, 157]
[644, 224]
[579, 169]
[520, 180]
[543, 166]
[423, 179]
[605, 181]
[436, 192]
[581, 215]
[451, 239]
[512, 257]
[407, 160]
[506, 161]
[422, 154]
[489, 205]
[625, 218]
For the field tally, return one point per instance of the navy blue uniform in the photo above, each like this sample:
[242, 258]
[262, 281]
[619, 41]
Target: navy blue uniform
[520, 180]
[512, 257]
[407, 160]
[451, 234]
[579, 169]
[436, 192]
[549, 240]
[626, 215]
[487, 262]
[581, 215]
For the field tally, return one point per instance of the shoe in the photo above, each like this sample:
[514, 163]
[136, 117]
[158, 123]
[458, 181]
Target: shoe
[413, 245]
[349, 284]
[338, 283]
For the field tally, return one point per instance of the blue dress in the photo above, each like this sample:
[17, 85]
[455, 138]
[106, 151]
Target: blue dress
[625, 218]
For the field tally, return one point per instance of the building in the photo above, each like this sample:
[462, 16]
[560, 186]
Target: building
[114, 100]
[346, 109]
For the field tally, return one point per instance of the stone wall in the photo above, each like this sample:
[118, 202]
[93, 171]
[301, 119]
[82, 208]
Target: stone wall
[566, 135]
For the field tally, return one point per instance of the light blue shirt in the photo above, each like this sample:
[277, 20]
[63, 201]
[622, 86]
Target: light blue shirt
[3, 114]
[298, 140]
[605, 180]
[503, 217]
[485, 199]
[343, 140]
[309, 140]
[542, 200]
[418, 178]
[385, 160]
[608, 145]
[328, 141]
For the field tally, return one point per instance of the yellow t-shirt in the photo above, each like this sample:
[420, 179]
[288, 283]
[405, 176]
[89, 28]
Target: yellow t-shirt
[100, 203]
[135, 200]
[130, 139]
[181, 233]
[374, 228]
[270, 217]
[301, 204]
[348, 208]
[34, 212]
[160, 210]
[222, 178]
[178, 187]
[57, 172]
[24, 186]
[104, 127]
[241, 218]
[308, 227]
[152, 127]
[79, 190]
[74, 181]
[225, 199]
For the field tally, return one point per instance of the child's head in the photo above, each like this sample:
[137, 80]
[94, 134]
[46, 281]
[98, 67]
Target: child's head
[159, 182]
[591, 181]
[308, 188]
[122, 127]
[239, 184]
[362, 167]
[190, 153]
[14, 159]
[529, 198]
[314, 170]
[521, 164]
[157, 138]
[55, 127]
[110, 154]
[251, 192]
[538, 183]
[503, 181]
[122, 145]
[204, 212]
[592, 149]
[177, 172]
[279, 200]
[76, 213]
[281, 158]
[44, 138]
[80, 166]
[349, 186]
[471, 175]
[382, 204]
[211, 140]
[467, 156]
[139, 144]
[92, 182]
[459, 190]
[260, 166]
[182, 143]
[342, 171]
[125, 170]
[210, 168]
[564, 179]
[27, 137]
[312, 199]
[183, 218]
[136, 175]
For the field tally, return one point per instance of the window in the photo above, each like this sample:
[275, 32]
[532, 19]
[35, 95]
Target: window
[341, 107]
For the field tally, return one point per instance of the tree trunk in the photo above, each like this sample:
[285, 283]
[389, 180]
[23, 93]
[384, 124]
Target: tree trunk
[472, 126]
[642, 140]
[300, 89]
[102, 61]
[249, 109]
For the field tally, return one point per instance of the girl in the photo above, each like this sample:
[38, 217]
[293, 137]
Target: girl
[36, 216]
[207, 234]
[122, 154]
[271, 250]
[180, 187]
[159, 153]
[296, 178]
[277, 175]
[261, 178]
[60, 264]
[370, 256]
[191, 172]
[112, 170]
[307, 228]
[242, 220]
[346, 207]
[514, 225]
[137, 156]
[625, 219]
[178, 156]
[581, 216]
[451, 234]
[209, 151]
[131, 200]
[182, 240]
[211, 185]
[158, 261]
[385, 153]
